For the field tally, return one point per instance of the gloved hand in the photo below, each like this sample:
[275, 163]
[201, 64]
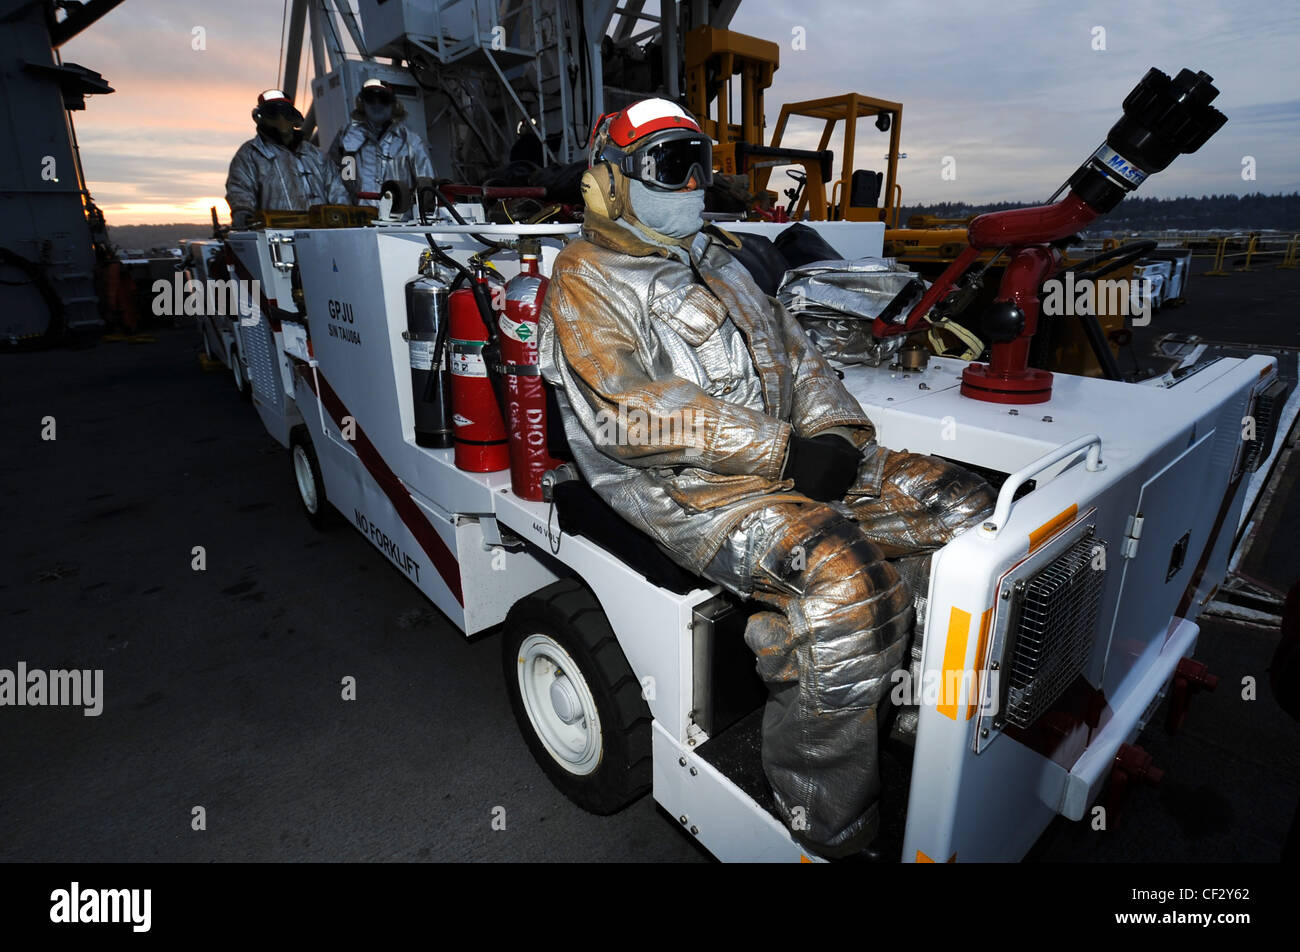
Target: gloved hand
[822, 467]
[240, 219]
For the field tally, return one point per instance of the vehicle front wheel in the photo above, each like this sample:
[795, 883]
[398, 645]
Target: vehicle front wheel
[576, 699]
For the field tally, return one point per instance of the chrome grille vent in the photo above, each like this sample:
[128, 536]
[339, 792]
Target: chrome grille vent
[1266, 408]
[262, 360]
[1052, 631]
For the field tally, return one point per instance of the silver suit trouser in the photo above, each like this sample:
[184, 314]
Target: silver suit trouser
[842, 625]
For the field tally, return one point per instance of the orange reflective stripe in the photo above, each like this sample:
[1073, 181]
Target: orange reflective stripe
[954, 661]
[922, 858]
[1052, 526]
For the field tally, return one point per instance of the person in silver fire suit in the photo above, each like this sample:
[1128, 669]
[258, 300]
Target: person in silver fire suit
[278, 169]
[377, 146]
[763, 474]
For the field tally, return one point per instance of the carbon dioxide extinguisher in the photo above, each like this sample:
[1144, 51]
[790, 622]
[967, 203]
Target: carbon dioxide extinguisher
[478, 428]
[525, 394]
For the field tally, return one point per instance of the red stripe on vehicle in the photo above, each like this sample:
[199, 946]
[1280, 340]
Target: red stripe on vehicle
[407, 509]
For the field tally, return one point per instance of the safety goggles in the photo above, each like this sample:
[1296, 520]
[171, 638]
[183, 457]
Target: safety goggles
[669, 163]
[280, 109]
[377, 96]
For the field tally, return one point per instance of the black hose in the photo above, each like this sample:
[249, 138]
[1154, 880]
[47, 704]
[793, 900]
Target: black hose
[488, 244]
[1101, 348]
[1122, 254]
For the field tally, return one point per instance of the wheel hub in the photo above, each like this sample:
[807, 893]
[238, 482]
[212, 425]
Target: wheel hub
[565, 700]
[559, 704]
[306, 479]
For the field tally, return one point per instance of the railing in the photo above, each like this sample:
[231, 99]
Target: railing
[1218, 269]
[1289, 256]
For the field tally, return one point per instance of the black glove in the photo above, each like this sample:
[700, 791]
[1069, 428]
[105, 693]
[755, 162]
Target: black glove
[822, 467]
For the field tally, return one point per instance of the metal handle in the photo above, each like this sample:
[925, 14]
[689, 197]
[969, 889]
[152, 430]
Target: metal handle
[1091, 442]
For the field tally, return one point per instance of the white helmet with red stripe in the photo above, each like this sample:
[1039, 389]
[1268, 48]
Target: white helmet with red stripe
[654, 141]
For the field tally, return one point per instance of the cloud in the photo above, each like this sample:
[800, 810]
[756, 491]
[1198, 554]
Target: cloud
[1018, 96]
[158, 149]
[1014, 92]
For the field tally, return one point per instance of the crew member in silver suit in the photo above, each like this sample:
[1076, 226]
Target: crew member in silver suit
[697, 408]
[377, 146]
[278, 169]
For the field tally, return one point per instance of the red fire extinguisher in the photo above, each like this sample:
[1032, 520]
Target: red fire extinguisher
[477, 426]
[525, 393]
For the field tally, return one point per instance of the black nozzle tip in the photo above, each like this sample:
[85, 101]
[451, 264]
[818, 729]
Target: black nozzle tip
[1165, 117]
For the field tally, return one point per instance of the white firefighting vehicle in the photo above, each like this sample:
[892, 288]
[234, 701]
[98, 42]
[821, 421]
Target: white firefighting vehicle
[1051, 632]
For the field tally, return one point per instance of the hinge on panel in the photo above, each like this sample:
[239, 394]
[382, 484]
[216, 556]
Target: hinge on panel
[497, 536]
[1132, 536]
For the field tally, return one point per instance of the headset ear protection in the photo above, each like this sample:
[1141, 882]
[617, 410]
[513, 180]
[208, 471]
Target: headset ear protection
[600, 191]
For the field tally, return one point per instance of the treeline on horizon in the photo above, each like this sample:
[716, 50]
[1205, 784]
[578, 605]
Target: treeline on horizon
[1232, 212]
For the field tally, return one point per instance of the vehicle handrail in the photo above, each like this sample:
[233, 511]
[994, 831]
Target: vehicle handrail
[1006, 495]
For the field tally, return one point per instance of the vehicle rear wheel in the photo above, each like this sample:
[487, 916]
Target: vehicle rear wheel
[307, 479]
[576, 699]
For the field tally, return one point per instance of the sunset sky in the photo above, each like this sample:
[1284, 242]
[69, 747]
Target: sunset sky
[1014, 92]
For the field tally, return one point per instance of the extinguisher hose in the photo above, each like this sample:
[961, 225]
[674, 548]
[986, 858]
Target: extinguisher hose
[439, 347]
[492, 349]
[480, 291]
[457, 216]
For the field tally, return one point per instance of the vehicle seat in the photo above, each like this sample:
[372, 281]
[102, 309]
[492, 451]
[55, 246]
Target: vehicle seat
[583, 513]
[865, 188]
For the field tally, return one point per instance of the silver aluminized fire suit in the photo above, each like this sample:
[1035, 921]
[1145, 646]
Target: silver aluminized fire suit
[265, 175]
[720, 375]
[397, 153]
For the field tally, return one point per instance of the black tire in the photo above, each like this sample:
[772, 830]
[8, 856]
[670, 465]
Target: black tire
[568, 614]
[240, 373]
[306, 467]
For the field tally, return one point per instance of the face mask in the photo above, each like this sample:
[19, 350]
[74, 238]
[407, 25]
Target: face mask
[675, 214]
[378, 113]
[281, 131]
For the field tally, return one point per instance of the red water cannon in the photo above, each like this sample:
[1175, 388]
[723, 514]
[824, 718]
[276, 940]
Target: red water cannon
[1162, 119]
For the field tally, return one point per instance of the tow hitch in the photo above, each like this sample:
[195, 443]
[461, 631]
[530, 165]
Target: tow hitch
[1190, 677]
